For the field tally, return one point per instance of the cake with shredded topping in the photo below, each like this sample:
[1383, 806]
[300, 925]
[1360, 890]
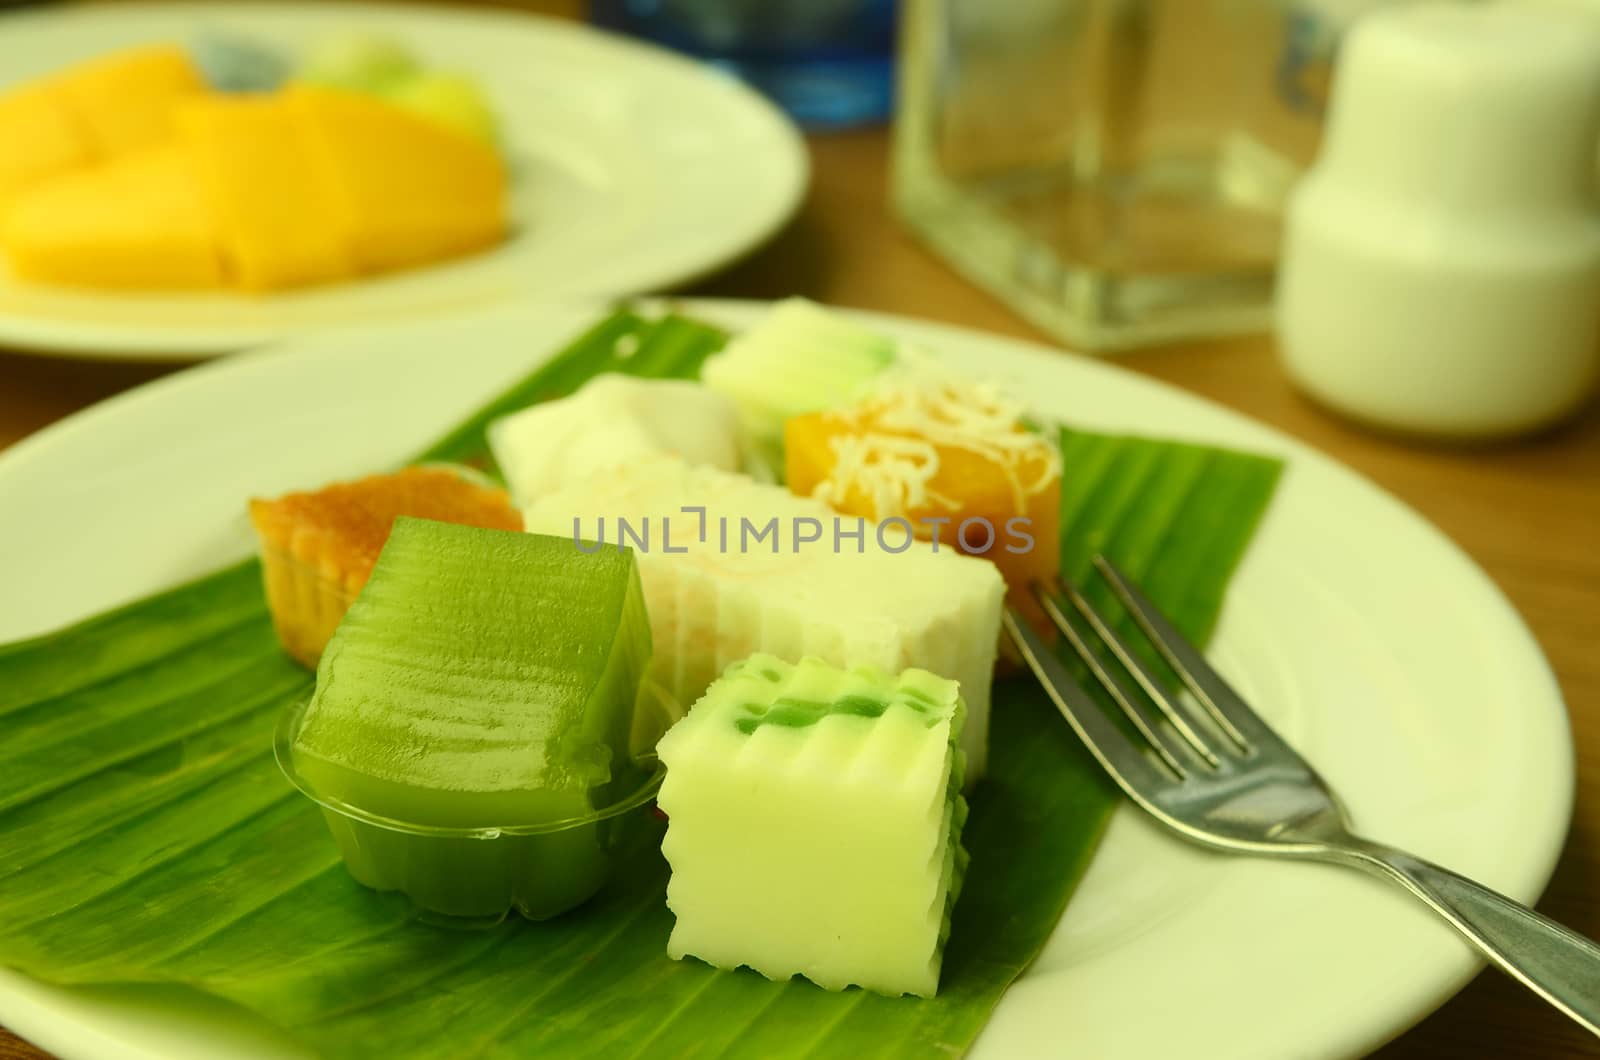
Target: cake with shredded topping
[953, 457]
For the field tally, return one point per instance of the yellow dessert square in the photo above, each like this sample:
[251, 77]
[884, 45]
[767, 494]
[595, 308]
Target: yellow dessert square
[318, 547]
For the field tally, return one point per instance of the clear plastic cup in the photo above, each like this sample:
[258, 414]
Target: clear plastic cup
[475, 876]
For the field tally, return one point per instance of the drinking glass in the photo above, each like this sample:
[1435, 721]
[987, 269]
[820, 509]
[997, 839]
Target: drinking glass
[1116, 170]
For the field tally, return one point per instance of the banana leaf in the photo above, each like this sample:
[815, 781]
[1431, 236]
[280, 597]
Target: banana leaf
[147, 837]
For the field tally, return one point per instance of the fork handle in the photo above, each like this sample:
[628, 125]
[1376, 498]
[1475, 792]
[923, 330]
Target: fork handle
[1559, 965]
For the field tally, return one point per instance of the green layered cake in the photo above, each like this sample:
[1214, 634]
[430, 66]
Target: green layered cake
[484, 680]
[815, 822]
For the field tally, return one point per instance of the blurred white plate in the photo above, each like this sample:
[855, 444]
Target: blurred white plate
[635, 170]
[1371, 641]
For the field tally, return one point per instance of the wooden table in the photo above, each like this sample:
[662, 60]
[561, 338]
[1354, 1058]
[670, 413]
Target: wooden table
[1527, 512]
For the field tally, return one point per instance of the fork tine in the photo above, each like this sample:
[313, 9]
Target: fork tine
[1135, 774]
[1140, 672]
[1135, 711]
[1225, 706]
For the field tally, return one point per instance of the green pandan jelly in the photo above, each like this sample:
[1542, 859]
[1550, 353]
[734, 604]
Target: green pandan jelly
[474, 718]
[815, 820]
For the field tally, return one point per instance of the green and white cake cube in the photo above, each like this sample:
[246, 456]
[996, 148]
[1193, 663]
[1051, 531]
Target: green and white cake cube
[815, 820]
[798, 358]
[725, 575]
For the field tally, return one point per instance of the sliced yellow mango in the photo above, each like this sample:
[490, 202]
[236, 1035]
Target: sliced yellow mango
[129, 155]
[124, 100]
[406, 190]
[39, 138]
[270, 192]
[134, 223]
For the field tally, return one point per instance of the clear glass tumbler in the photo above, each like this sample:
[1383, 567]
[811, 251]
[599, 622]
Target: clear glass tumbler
[1114, 169]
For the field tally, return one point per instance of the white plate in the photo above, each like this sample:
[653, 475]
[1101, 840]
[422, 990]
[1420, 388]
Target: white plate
[634, 170]
[1371, 640]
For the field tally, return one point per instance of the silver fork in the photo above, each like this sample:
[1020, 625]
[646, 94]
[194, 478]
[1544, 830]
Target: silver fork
[1217, 774]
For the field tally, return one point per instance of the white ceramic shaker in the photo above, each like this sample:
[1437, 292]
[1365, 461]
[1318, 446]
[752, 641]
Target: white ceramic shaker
[1441, 264]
